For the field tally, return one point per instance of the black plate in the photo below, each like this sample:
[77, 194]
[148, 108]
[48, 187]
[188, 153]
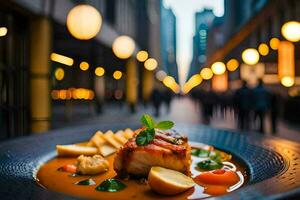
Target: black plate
[273, 163]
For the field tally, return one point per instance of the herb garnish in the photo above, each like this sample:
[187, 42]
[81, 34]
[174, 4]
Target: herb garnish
[147, 135]
[214, 160]
[86, 182]
[111, 185]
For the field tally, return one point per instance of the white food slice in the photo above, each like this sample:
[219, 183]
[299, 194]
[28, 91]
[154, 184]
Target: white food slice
[119, 136]
[109, 137]
[97, 140]
[75, 150]
[107, 149]
[128, 133]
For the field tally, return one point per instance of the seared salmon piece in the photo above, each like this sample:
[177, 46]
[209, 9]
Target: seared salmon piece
[169, 149]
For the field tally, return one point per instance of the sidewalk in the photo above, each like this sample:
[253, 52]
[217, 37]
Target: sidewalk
[183, 110]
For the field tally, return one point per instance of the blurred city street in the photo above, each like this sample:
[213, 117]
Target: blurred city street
[182, 111]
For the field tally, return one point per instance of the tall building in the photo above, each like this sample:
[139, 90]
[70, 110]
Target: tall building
[168, 42]
[203, 21]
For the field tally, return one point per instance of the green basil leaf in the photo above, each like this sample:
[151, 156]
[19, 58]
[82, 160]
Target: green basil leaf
[111, 185]
[147, 121]
[164, 125]
[145, 137]
[209, 165]
[202, 153]
[86, 182]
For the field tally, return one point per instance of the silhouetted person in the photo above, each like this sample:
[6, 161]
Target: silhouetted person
[156, 98]
[208, 103]
[167, 97]
[261, 103]
[274, 112]
[242, 99]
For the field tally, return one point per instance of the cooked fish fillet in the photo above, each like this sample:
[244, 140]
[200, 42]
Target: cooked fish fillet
[169, 149]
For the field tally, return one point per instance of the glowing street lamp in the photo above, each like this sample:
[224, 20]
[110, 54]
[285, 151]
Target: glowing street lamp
[232, 64]
[84, 66]
[286, 63]
[150, 64]
[263, 49]
[142, 56]
[291, 31]
[123, 47]
[218, 68]
[99, 71]
[274, 42]
[117, 75]
[59, 74]
[206, 73]
[250, 56]
[3, 31]
[84, 22]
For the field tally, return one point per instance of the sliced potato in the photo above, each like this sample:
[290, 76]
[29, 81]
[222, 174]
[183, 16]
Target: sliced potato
[107, 149]
[97, 140]
[109, 137]
[119, 136]
[128, 133]
[75, 150]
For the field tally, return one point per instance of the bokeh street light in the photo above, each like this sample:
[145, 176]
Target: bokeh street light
[263, 49]
[274, 42]
[84, 66]
[150, 64]
[160, 75]
[232, 65]
[117, 74]
[84, 22]
[194, 81]
[142, 56]
[287, 81]
[3, 31]
[206, 73]
[99, 71]
[250, 56]
[59, 74]
[61, 59]
[291, 31]
[123, 46]
[218, 68]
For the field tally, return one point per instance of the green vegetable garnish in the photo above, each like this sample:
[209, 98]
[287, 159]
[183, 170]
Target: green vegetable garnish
[86, 182]
[202, 153]
[147, 135]
[209, 165]
[111, 185]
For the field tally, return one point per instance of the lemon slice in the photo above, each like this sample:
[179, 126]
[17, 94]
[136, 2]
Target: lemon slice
[168, 182]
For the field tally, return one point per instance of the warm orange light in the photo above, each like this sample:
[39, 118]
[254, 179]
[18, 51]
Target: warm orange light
[286, 63]
[168, 81]
[61, 59]
[84, 22]
[84, 66]
[99, 71]
[219, 83]
[55, 94]
[291, 31]
[194, 81]
[232, 64]
[3, 31]
[59, 74]
[274, 42]
[150, 64]
[263, 49]
[250, 56]
[218, 68]
[123, 46]
[117, 75]
[206, 73]
[160, 75]
[142, 56]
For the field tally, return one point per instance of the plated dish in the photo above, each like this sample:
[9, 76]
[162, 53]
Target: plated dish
[153, 161]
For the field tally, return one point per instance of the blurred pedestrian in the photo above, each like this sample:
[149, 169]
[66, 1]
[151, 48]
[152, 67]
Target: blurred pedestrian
[167, 98]
[156, 98]
[242, 101]
[274, 112]
[261, 103]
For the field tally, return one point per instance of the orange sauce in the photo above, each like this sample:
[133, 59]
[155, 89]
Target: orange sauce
[49, 177]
